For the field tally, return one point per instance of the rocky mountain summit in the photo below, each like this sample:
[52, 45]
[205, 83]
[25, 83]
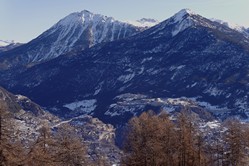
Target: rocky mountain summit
[77, 31]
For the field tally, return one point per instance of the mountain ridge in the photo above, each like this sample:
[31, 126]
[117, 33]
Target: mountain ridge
[186, 55]
[78, 31]
[144, 22]
[6, 45]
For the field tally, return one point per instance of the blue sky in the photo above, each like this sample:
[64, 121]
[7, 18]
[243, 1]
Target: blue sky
[23, 20]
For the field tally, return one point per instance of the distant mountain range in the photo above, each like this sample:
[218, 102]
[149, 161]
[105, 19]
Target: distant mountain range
[8, 45]
[91, 64]
[236, 27]
[144, 22]
[5, 43]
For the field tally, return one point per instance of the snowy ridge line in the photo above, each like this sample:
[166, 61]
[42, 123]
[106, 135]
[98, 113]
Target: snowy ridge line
[77, 31]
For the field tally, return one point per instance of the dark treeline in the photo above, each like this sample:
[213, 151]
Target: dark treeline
[151, 140]
[58, 147]
[156, 140]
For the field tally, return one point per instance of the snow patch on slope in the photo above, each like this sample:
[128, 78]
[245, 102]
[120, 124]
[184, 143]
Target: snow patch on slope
[183, 21]
[178, 101]
[4, 43]
[78, 31]
[213, 124]
[126, 78]
[178, 17]
[181, 27]
[234, 26]
[84, 106]
[21, 97]
[144, 22]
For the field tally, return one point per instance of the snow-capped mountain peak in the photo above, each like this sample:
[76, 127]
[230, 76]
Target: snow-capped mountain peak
[71, 18]
[89, 29]
[178, 17]
[86, 12]
[77, 31]
[83, 17]
[180, 21]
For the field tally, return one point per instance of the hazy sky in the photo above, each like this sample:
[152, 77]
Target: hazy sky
[23, 20]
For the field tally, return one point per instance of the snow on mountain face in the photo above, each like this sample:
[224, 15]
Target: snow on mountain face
[8, 43]
[186, 18]
[144, 22]
[178, 17]
[99, 28]
[236, 27]
[5, 43]
[183, 23]
[203, 60]
[76, 31]
[180, 21]
[129, 105]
